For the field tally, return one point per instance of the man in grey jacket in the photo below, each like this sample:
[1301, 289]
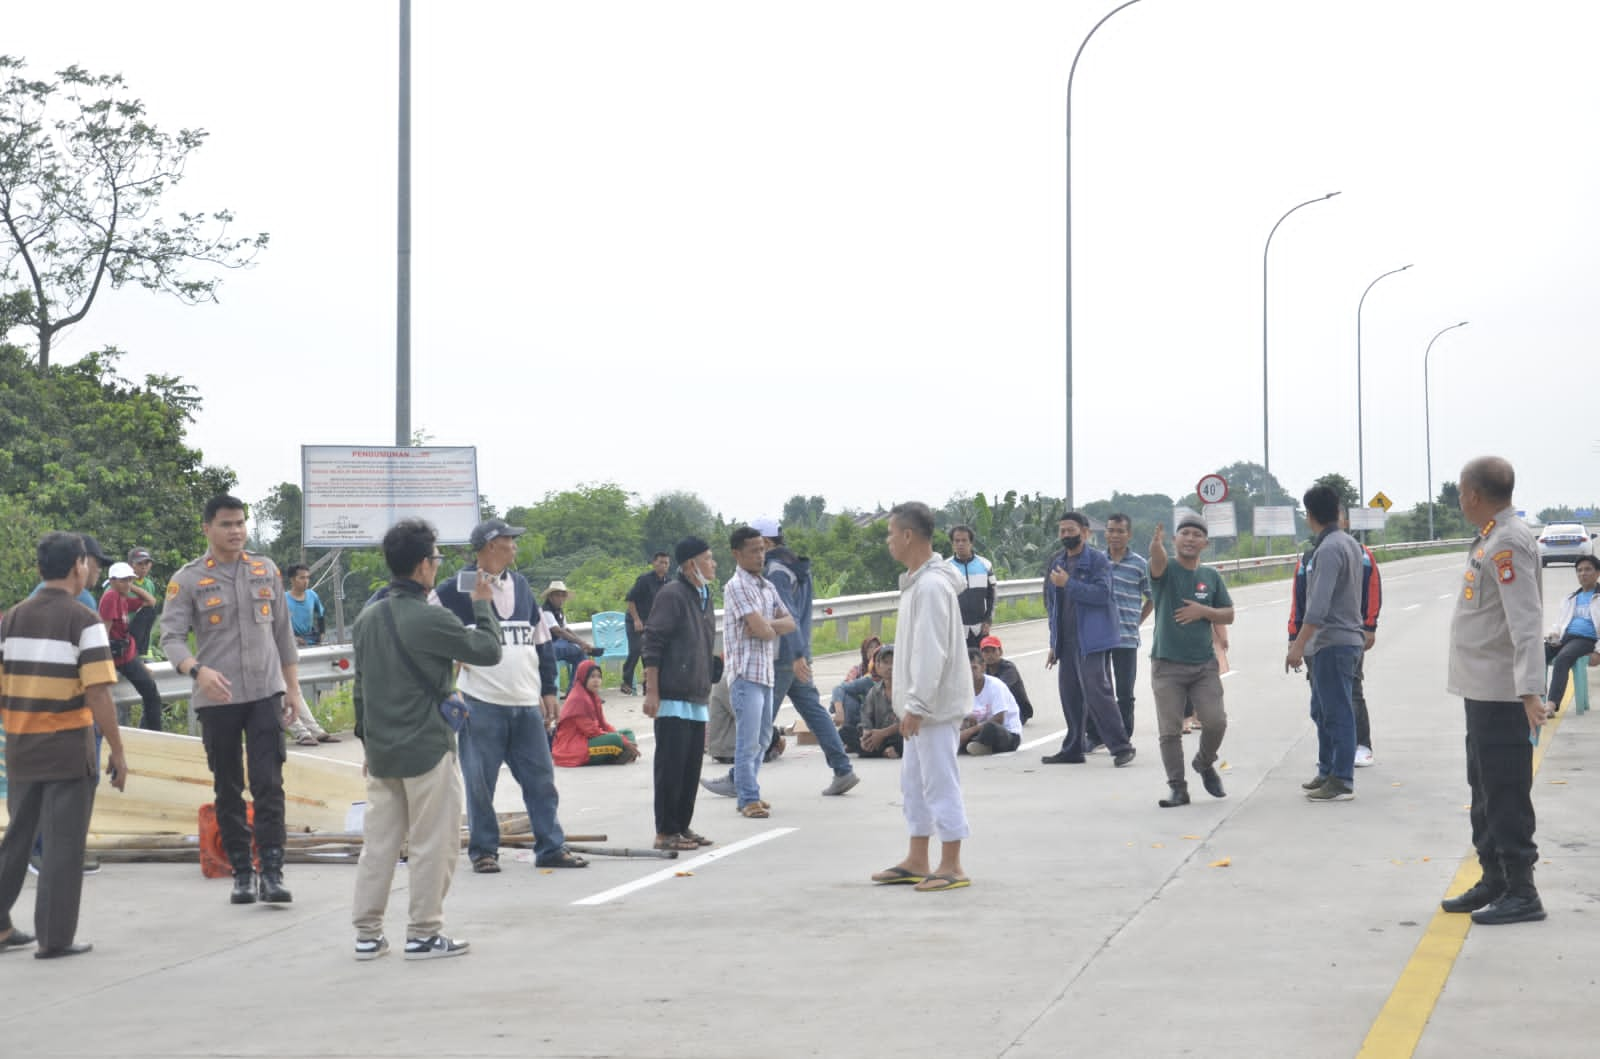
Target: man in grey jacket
[932, 693]
[1331, 637]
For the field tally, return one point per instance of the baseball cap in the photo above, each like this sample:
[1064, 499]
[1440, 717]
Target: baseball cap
[493, 529]
[767, 527]
[990, 641]
[120, 570]
[96, 552]
[140, 555]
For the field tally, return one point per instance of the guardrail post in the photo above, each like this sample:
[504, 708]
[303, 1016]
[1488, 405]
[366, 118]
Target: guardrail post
[1580, 684]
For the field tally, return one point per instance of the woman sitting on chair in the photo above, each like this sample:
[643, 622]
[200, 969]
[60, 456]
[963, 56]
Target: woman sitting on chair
[1575, 633]
[583, 736]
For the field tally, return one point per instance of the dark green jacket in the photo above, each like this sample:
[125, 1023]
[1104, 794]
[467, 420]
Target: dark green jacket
[398, 720]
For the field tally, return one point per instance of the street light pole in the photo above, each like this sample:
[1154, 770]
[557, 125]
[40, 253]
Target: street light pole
[1070, 75]
[1266, 444]
[1361, 459]
[1427, 420]
[402, 297]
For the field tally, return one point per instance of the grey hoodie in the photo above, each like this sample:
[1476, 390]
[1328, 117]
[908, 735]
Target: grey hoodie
[931, 674]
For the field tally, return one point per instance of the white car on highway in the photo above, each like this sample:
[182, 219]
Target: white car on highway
[1564, 542]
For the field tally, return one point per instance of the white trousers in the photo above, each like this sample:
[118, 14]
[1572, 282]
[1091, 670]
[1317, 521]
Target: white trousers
[930, 783]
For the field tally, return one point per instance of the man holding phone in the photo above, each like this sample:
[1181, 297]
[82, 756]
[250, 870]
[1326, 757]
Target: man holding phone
[513, 704]
[56, 675]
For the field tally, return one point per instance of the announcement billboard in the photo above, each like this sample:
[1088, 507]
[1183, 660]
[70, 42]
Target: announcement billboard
[353, 494]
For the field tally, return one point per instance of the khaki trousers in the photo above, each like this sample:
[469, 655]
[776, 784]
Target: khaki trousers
[1175, 684]
[422, 813]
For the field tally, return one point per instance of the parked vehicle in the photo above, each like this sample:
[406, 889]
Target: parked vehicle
[1565, 542]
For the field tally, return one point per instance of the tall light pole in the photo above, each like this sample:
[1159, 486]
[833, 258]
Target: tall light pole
[402, 279]
[1266, 443]
[1427, 420]
[1361, 456]
[1070, 74]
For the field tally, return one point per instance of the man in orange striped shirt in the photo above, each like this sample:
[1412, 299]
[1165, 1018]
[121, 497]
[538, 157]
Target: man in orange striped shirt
[56, 676]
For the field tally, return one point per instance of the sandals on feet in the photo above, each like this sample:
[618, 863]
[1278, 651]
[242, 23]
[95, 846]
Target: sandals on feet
[486, 865]
[896, 874]
[565, 859]
[680, 843]
[754, 811]
[938, 882]
[697, 838]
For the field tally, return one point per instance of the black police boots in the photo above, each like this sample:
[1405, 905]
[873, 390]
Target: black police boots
[244, 879]
[1519, 904]
[271, 884]
[1484, 892]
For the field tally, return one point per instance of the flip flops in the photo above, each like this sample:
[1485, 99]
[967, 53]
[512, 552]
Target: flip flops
[938, 883]
[896, 874]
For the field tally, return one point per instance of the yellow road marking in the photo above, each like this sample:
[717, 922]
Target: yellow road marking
[1398, 1028]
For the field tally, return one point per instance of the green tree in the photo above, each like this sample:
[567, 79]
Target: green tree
[20, 530]
[278, 523]
[594, 515]
[801, 512]
[672, 517]
[1343, 486]
[93, 452]
[82, 174]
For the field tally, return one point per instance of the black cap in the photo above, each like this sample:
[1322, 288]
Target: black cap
[96, 552]
[493, 529]
[688, 548]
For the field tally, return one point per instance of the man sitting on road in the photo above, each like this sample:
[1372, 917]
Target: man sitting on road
[876, 731]
[995, 724]
[1006, 672]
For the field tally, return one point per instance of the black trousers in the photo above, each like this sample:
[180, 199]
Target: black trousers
[139, 626]
[1358, 700]
[680, 747]
[1561, 658]
[221, 728]
[635, 648]
[1500, 773]
[58, 812]
[997, 738]
[149, 695]
[1124, 671]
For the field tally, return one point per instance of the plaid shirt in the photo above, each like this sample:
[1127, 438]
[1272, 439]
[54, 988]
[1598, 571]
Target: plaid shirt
[746, 657]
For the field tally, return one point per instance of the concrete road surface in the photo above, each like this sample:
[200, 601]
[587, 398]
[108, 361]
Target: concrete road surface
[1096, 925]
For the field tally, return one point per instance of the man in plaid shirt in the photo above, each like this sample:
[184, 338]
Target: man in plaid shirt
[752, 620]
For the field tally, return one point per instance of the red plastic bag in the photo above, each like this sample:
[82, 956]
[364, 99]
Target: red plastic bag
[214, 862]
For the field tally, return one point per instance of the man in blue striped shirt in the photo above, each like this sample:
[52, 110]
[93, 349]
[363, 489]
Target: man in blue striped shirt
[1130, 584]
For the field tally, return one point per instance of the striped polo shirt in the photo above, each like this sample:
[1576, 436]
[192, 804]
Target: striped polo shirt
[1130, 584]
[52, 650]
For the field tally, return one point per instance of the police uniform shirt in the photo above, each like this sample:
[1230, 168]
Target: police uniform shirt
[1496, 633]
[240, 622]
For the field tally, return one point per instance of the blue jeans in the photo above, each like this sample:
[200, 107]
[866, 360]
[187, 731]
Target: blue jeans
[516, 736]
[809, 706]
[752, 718]
[1333, 672]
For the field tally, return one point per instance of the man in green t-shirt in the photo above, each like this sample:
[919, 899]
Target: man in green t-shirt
[1189, 600]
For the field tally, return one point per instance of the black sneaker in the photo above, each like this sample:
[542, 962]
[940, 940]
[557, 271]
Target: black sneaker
[1314, 782]
[434, 948]
[1124, 758]
[1211, 780]
[372, 948]
[1061, 757]
[1335, 790]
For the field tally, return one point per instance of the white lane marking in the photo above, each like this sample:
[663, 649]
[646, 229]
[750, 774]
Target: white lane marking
[1029, 654]
[1447, 595]
[1413, 606]
[1053, 737]
[1229, 673]
[1275, 602]
[683, 865]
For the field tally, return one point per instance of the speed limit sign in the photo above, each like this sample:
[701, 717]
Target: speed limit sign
[1212, 489]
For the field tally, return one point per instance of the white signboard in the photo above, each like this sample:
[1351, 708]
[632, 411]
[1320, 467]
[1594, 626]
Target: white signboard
[352, 494]
[1368, 518]
[1274, 522]
[1221, 519]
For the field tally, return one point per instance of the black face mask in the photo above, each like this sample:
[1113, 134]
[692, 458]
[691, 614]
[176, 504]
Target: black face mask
[1072, 543]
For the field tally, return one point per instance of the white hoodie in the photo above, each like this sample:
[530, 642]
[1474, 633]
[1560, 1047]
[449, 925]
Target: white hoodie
[931, 675]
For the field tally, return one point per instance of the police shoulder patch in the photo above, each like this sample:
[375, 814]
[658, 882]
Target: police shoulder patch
[172, 590]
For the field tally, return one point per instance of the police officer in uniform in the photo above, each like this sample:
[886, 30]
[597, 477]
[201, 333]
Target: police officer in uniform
[246, 683]
[1497, 666]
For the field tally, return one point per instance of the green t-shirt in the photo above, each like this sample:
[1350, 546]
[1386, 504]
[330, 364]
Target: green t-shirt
[1176, 586]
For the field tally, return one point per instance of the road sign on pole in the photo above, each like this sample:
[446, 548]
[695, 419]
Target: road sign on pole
[1212, 489]
[1379, 500]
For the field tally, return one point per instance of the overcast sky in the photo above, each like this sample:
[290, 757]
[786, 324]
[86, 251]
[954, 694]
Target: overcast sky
[749, 249]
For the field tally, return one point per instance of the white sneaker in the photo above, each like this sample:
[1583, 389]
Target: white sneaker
[432, 948]
[371, 948]
[1363, 757]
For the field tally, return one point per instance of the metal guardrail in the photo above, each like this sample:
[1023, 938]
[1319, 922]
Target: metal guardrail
[334, 663]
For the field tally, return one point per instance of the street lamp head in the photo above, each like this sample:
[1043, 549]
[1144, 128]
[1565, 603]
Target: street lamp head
[1404, 267]
[1331, 194]
[1462, 324]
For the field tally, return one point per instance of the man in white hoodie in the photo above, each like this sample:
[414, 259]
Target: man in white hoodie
[932, 693]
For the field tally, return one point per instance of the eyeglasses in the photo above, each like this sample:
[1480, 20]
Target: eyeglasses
[436, 558]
